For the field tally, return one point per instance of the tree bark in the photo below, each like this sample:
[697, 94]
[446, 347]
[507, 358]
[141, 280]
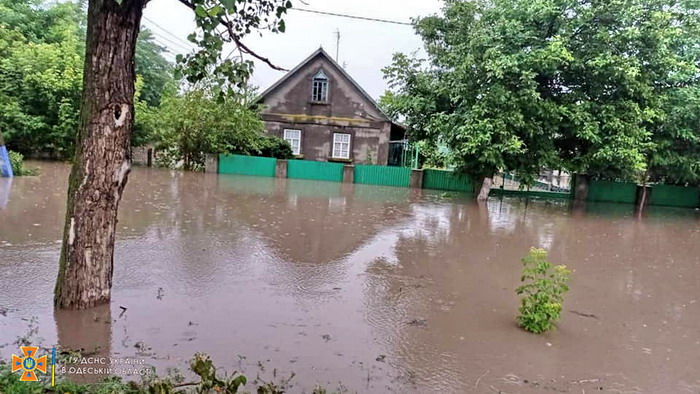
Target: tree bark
[643, 193]
[102, 163]
[485, 189]
[581, 187]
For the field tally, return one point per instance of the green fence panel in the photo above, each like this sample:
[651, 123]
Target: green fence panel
[530, 194]
[247, 165]
[382, 175]
[611, 191]
[675, 196]
[447, 180]
[316, 170]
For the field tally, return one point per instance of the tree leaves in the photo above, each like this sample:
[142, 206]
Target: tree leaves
[41, 71]
[518, 86]
[205, 119]
[200, 11]
[229, 4]
[221, 22]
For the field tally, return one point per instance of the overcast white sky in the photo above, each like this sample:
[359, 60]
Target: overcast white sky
[365, 47]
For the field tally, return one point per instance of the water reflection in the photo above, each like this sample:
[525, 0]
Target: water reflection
[5, 188]
[382, 289]
[85, 335]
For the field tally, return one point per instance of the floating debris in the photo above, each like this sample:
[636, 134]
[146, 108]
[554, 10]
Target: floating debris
[418, 323]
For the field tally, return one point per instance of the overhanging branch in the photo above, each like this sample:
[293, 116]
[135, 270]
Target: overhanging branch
[237, 41]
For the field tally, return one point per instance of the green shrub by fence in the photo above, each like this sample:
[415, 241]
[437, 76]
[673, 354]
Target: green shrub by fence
[382, 175]
[447, 180]
[611, 191]
[315, 170]
[675, 196]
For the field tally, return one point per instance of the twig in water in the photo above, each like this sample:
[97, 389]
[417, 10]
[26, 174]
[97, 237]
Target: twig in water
[185, 384]
[585, 381]
[592, 316]
[476, 385]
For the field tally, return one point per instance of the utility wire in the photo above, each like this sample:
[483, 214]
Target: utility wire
[364, 18]
[166, 31]
[170, 44]
[181, 44]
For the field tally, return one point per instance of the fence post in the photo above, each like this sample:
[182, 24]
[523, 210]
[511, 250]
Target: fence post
[211, 163]
[348, 173]
[416, 180]
[580, 186]
[281, 168]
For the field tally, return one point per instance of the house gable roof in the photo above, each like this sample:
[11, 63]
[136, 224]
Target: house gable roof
[333, 63]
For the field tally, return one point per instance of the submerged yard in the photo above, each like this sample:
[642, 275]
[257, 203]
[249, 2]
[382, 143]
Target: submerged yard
[371, 289]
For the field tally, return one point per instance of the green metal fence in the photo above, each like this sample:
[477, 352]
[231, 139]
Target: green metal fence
[612, 191]
[247, 165]
[530, 194]
[675, 196]
[598, 191]
[382, 175]
[447, 180]
[315, 170]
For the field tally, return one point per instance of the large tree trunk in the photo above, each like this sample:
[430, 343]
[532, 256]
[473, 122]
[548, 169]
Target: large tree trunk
[102, 162]
[485, 189]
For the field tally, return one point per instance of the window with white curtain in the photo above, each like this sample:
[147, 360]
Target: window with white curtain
[341, 146]
[294, 138]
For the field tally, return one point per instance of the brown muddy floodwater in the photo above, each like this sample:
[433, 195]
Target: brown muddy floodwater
[373, 289]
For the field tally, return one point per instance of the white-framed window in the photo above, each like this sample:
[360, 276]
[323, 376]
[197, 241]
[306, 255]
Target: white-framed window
[294, 138]
[319, 91]
[341, 146]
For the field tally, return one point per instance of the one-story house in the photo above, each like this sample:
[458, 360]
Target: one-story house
[326, 116]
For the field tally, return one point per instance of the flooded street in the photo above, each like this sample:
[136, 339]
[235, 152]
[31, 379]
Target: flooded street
[371, 289]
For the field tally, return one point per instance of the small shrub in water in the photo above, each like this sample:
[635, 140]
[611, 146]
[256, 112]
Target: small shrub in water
[17, 163]
[543, 292]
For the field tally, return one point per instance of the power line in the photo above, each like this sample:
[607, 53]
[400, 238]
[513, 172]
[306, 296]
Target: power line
[364, 18]
[166, 31]
[166, 49]
[181, 44]
[172, 44]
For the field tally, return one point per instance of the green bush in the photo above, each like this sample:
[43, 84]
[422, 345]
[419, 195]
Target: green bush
[543, 292]
[270, 146]
[210, 381]
[17, 163]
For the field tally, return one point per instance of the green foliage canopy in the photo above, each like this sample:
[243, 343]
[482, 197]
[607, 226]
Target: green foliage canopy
[188, 125]
[588, 86]
[42, 46]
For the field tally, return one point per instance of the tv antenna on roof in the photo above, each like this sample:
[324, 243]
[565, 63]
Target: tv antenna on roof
[337, 43]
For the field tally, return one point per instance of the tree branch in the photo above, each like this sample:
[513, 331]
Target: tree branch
[237, 40]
